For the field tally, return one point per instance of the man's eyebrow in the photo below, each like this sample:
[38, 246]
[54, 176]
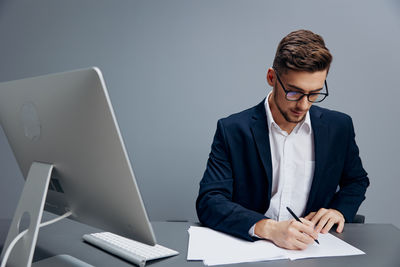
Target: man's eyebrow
[302, 90]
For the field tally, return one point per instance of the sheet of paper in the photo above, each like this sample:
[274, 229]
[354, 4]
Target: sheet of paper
[216, 248]
[329, 246]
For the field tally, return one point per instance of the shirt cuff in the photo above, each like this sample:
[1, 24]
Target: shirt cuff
[251, 232]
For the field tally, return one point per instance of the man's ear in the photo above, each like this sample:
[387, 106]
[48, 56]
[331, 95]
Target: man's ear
[271, 77]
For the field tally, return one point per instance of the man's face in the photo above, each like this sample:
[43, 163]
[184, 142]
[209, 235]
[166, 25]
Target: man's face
[300, 81]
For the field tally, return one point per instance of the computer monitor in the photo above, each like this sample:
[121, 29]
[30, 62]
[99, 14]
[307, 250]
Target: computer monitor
[66, 120]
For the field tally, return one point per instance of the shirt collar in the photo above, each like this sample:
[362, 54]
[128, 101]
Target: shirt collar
[304, 125]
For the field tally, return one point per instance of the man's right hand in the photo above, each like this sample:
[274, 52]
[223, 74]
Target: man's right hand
[287, 234]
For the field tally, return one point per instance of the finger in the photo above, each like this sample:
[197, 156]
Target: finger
[308, 230]
[307, 222]
[322, 223]
[305, 238]
[328, 225]
[318, 215]
[310, 216]
[340, 227]
[291, 241]
[299, 245]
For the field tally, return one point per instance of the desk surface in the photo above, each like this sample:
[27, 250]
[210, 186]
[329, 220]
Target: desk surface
[380, 242]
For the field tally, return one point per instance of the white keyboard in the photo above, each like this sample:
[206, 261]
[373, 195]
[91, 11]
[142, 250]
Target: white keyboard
[128, 249]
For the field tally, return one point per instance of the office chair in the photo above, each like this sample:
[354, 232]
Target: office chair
[359, 218]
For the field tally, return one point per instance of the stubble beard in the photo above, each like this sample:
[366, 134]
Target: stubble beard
[285, 114]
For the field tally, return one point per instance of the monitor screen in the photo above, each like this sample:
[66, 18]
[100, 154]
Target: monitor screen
[67, 120]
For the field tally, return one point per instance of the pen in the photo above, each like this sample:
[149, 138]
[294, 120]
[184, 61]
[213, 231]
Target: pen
[297, 219]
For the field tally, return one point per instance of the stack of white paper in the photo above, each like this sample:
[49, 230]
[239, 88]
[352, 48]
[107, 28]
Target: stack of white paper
[215, 248]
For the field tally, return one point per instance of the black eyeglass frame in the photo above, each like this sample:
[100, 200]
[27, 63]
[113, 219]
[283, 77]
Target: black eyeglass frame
[303, 94]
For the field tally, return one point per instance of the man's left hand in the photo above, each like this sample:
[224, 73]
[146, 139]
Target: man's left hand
[324, 219]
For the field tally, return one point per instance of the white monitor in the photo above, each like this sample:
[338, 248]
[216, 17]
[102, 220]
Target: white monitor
[66, 120]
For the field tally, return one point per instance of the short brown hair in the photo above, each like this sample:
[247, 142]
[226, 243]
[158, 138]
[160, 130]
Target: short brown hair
[302, 50]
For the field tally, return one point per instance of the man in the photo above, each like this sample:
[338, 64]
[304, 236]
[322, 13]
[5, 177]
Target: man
[285, 152]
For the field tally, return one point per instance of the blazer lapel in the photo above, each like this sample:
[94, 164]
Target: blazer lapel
[259, 130]
[320, 132]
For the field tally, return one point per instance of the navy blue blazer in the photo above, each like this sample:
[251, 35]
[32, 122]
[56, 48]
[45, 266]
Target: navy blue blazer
[235, 191]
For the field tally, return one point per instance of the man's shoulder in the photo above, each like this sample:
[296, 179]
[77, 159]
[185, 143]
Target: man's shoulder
[245, 117]
[329, 116]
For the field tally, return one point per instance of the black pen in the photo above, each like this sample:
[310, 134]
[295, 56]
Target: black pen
[297, 219]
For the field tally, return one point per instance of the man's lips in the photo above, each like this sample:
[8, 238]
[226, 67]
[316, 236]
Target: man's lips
[297, 113]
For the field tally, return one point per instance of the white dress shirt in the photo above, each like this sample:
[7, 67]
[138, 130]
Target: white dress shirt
[293, 163]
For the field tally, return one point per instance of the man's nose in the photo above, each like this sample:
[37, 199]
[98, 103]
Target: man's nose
[303, 103]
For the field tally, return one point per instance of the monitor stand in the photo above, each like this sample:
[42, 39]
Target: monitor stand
[29, 211]
[61, 261]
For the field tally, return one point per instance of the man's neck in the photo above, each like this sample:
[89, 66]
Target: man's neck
[278, 118]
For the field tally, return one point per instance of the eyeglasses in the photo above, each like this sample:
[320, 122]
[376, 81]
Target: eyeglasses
[296, 95]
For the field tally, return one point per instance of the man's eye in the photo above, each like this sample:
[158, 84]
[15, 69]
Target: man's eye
[293, 93]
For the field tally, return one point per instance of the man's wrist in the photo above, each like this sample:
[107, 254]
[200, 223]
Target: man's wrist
[264, 228]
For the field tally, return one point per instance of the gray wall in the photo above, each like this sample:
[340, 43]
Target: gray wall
[174, 67]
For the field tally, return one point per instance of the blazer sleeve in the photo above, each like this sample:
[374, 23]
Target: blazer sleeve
[354, 180]
[215, 206]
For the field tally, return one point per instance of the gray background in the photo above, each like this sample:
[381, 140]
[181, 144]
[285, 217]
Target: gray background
[174, 67]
